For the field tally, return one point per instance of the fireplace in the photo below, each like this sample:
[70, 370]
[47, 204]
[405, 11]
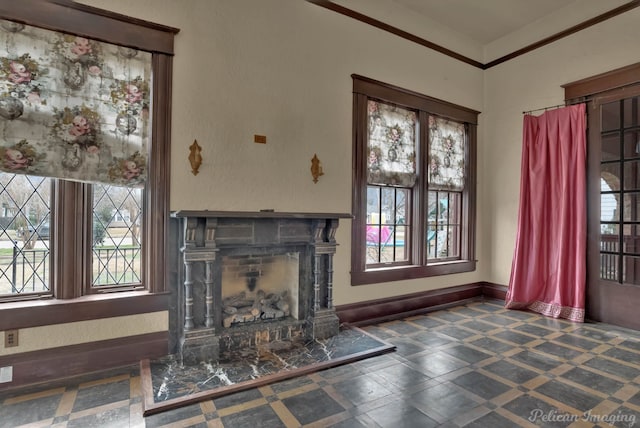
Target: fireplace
[244, 278]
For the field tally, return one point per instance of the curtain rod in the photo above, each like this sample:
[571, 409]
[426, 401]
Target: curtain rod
[567, 103]
[544, 108]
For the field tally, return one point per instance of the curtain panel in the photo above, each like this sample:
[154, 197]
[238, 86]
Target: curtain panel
[548, 273]
[72, 107]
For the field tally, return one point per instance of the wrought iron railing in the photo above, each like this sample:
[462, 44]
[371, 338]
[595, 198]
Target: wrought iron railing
[25, 270]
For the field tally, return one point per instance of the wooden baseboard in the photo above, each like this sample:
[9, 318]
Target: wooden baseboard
[397, 307]
[51, 364]
[494, 291]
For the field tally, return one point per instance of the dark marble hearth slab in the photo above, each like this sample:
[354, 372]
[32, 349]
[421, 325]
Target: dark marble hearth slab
[168, 384]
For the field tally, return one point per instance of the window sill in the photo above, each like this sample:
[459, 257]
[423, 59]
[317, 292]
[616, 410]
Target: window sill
[398, 273]
[34, 313]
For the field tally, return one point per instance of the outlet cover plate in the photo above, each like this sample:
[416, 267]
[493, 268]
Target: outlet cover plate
[6, 374]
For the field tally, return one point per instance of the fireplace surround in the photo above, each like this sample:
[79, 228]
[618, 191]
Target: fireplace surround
[274, 263]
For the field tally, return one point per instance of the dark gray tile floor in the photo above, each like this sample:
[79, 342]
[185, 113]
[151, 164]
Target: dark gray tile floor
[476, 365]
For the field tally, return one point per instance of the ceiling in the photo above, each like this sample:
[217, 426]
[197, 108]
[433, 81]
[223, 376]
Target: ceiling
[483, 30]
[481, 20]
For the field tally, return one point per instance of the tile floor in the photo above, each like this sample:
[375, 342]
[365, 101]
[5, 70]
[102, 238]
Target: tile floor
[475, 365]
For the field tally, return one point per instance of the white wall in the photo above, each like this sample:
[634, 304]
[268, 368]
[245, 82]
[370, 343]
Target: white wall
[529, 82]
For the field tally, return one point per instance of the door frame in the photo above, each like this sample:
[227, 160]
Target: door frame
[606, 301]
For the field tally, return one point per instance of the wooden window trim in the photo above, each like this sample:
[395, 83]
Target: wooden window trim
[365, 88]
[69, 256]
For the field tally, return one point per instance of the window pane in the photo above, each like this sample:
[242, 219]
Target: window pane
[117, 218]
[443, 226]
[610, 116]
[24, 234]
[610, 147]
[608, 207]
[609, 267]
[631, 270]
[631, 145]
[632, 206]
[387, 226]
[631, 112]
[632, 175]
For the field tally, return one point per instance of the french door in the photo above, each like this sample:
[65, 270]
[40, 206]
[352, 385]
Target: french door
[613, 253]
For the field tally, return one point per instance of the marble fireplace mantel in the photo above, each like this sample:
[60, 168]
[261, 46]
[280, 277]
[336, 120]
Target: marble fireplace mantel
[205, 238]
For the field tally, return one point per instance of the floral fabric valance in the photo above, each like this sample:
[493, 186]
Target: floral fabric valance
[392, 145]
[72, 107]
[446, 154]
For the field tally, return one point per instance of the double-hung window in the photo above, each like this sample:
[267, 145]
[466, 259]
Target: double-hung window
[414, 185]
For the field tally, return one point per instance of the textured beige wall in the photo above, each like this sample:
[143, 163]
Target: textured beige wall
[529, 82]
[53, 336]
[282, 68]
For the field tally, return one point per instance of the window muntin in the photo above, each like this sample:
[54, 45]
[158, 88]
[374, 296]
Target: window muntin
[435, 175]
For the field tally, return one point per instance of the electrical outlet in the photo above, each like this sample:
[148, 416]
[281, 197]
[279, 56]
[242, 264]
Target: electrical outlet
[6, 374]
[260, 139]
[10, 338]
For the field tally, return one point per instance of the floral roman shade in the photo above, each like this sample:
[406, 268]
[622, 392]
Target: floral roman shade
[446, 154]
[72, 107]
[391, 145]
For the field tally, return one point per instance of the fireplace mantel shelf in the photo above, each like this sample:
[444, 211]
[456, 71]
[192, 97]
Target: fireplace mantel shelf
[256, 214]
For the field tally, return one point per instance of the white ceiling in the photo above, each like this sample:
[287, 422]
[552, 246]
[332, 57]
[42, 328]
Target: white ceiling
[481, 20]
[482, 29]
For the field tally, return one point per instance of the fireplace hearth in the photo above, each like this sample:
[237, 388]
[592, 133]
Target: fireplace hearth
[246, 278]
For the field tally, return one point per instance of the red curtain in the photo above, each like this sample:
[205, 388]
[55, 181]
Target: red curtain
[548, 273]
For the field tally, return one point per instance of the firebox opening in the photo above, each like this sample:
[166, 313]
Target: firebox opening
[259, 288]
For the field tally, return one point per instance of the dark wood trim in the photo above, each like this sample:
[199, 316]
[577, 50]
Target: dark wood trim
[562, 34]
[51, 364]
[396, 31]
[35, 313]
[397, 307]
[494, 291]
[603, 82]
[156, 203]
[426, 43]
[374, 276]
[88, 21]
[364, 89]
[413, 100]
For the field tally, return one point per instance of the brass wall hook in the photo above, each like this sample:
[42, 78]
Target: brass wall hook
[316, 168]
[195, 158]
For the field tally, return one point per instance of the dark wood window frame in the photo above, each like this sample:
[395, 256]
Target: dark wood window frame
[364, 89]
[72, 202]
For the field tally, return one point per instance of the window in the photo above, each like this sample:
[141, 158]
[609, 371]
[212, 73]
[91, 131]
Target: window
[62, 239]
[414, 185]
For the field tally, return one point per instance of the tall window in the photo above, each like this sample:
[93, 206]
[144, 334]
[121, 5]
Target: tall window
[414, 185]
[85, 116]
